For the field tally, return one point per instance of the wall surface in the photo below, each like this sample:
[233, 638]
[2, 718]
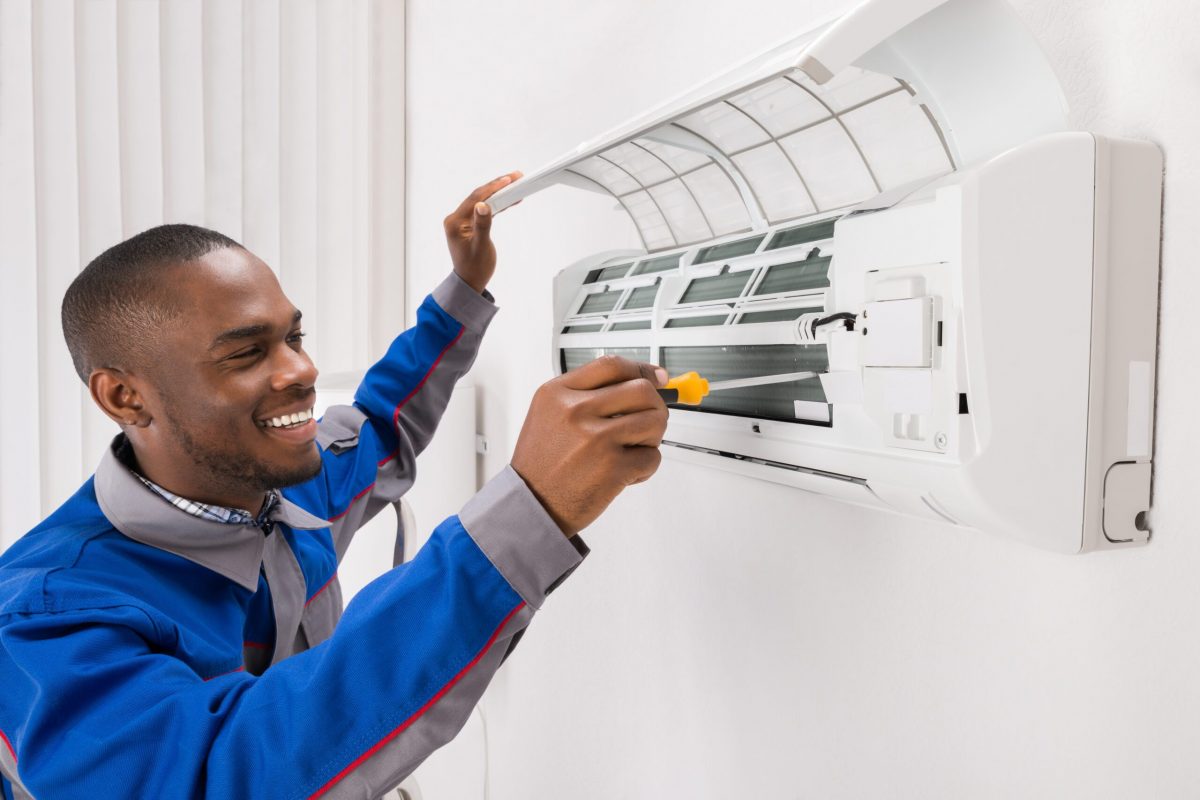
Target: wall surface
[729, 638]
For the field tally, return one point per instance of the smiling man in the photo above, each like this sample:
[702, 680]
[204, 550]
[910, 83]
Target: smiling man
[175, 629]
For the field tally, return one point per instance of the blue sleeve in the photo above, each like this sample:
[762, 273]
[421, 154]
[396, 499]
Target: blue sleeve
[97, 701]
[369, 449]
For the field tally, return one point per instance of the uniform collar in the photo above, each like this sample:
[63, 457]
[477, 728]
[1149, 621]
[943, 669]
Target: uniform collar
[225, 514]
[235, 551]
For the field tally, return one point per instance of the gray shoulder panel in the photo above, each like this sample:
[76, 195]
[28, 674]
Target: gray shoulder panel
[339, 427]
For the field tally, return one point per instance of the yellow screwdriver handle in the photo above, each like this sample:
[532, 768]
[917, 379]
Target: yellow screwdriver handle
[688, 389]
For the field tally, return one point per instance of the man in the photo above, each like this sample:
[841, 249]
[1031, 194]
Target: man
[169, 632]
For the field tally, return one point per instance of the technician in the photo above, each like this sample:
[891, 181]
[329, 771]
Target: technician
[172, 631]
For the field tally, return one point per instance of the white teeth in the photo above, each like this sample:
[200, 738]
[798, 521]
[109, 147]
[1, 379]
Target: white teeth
[288, 420]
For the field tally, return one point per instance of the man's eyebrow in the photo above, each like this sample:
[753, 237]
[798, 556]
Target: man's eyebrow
[247, 332]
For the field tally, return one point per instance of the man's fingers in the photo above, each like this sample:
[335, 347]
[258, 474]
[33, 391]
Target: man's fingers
[641, 428]
[576, 460]
[491, 187]
[626, 397]
[467, 206]
[640, 463]
[612, 369]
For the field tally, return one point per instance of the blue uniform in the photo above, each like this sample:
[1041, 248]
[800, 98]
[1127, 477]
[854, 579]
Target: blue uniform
[146, 652]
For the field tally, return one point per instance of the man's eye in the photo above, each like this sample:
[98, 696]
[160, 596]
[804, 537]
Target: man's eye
[296, 337]
[253, 351]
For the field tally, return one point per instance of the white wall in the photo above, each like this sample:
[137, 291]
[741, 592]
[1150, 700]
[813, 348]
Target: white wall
[735, 639]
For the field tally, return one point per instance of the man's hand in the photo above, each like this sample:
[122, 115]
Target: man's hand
[467, 234]
[588, 435]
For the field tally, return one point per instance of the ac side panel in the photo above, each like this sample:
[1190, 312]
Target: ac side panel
[1124, 334]
[1027, 291]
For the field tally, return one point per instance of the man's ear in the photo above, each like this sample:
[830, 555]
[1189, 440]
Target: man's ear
[118, 397]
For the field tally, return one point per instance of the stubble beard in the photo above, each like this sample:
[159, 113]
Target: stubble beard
[238, 471]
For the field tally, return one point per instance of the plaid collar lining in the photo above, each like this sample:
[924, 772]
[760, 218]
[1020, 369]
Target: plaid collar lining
[228, 516]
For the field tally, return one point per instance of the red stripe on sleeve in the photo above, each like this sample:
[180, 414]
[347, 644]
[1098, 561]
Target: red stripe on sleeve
[223, 674]
[324, 586]
[8, 744]
[353, 500]
[417, 388]
[400, 728]
[396, 419]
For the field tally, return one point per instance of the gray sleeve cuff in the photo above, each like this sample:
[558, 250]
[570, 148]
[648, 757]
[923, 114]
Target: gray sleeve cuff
[514, 531]
[472, 309]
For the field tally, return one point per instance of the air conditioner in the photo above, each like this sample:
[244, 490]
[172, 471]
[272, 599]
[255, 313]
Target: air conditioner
[894, 202]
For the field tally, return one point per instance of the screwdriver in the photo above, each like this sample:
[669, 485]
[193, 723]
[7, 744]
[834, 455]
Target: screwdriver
[689, 388]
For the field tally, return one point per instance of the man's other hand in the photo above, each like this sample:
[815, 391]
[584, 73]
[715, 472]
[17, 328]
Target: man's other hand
[467, 234]
[590, 433]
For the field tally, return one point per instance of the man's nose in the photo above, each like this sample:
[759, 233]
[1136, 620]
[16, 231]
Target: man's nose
[293, 368]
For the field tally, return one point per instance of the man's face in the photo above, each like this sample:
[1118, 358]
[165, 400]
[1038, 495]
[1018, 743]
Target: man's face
[229, 372]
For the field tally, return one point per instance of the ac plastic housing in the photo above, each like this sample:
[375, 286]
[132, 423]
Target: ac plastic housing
[909, 163]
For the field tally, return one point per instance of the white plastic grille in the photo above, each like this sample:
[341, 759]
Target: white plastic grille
[793, 147]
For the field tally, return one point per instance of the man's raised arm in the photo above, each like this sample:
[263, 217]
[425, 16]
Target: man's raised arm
[370, 448]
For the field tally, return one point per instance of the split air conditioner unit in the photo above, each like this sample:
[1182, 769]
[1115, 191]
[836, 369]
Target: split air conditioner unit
[909, 169]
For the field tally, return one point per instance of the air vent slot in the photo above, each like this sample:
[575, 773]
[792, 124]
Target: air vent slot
[796, 276]
[608, 273]
[830, 484]
[726, 286]
[641, 297]
[697, 322]
[582, 328]
[573, 357]
[836, 476]
[659, 264]
[802, 234]
[599, 303]
[716, 252]
[777, 315]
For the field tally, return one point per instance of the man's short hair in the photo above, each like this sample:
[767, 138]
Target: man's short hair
[117, 305]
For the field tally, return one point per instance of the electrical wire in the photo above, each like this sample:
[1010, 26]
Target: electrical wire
[843, 315]
[807, 325]
[487, 754]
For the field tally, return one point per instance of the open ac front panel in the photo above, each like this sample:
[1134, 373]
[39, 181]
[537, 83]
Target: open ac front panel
[999, 373]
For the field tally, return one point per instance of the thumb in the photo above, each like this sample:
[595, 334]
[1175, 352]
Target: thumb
[482, 222]
[653, 373]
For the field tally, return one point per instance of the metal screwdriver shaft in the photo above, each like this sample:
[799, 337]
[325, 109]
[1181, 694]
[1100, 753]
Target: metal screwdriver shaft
[761, 380]
[689, 388]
